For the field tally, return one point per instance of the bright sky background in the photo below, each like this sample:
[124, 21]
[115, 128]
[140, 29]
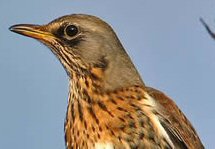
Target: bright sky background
[165, 39]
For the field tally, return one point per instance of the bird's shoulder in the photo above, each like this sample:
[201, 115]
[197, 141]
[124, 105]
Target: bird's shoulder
[174, 121]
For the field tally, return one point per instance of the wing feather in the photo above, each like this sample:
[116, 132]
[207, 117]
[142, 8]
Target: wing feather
[178, 127]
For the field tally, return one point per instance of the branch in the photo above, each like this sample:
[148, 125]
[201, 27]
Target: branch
[212, 34]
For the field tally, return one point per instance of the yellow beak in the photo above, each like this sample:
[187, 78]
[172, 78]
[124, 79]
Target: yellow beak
[33, 31]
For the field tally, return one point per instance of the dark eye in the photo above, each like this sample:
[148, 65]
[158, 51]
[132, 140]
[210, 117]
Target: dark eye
[71, 30]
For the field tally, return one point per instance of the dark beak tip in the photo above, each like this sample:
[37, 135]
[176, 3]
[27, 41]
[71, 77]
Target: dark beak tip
[14, 28]
[21, 27]
[11, 28]
[30, 30]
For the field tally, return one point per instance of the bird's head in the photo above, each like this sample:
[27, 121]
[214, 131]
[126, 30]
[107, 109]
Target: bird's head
[83, 43]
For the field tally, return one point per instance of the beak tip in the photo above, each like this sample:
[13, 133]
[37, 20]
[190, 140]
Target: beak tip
[20, 28]
[14, 28]
[11, 28]
[30, 30]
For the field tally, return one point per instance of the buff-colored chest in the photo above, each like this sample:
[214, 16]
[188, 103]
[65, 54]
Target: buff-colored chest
[121, 120]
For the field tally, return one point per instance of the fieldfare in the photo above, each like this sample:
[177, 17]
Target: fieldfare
[109, 105]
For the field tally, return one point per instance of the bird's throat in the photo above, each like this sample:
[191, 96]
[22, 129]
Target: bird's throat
[84, 92]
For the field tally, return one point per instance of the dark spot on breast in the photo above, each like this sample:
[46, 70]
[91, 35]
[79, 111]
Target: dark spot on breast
[132, 124]
[119, 138]
[122, 127]
[139, 97]
[129, 139]
[141, 135]
[72, 112]
[92, 113]
[113, 101]
[121, 119]
[122, 109]
[98, 135]
[85, 124]
[141, 123]
[93, 128]
[80, 111]
[107, 127]
[120, 98]
[100, 128]
[112, 133]
[102, 105]
[88, 136]
[134, 146]
[129, 116]
[94, 77]
[104, 108]
[87, 83]
[130, 97]
[83, 144]
[136, 107]
[151, 136]
[87, 97]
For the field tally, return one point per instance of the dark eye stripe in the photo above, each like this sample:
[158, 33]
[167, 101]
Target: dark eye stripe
[60, 32]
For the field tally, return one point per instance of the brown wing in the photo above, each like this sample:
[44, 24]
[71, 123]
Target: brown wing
[177, 125]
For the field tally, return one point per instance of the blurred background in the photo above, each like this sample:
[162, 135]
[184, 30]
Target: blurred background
[168, 44]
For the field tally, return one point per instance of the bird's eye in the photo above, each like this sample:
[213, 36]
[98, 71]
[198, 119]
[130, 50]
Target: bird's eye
[71, 30]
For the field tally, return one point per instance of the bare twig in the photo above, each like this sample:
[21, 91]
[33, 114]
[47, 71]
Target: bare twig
[212, 34]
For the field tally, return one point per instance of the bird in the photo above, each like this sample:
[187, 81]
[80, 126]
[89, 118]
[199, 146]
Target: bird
[109, 105]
